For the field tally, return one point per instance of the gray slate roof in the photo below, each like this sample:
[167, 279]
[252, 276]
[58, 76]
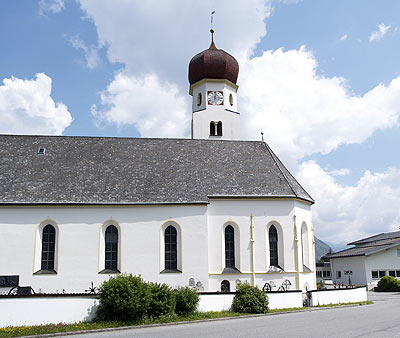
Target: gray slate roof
[112, 170]
[379, 237]
[370, 245]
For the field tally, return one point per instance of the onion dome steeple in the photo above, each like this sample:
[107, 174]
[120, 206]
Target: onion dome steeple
[213, 63]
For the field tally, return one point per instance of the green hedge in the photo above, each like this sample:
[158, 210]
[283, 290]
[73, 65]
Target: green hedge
[388, 283]
[249, 299]
[187, 300]
[129, 298]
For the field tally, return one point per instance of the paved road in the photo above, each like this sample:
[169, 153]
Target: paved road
[382, 319]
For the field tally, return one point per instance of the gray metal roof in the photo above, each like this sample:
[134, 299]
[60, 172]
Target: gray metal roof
[387, 235]
[366, 249]
[112, 170]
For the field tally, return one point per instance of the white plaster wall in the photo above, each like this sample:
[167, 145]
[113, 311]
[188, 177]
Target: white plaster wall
[203, 114]
[338, 296]
[46, 310]
[215, 302]
[285, 300]
[384, 260]
[264, 212]
[222, 302]
[79, 242]
[355, 264]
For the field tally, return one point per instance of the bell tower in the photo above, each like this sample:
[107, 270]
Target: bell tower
[212, 76]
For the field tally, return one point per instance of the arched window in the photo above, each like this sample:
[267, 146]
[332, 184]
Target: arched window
[212, 128]
[199, 99]
[229, 247]
[48, 248]
[219, 128]
[111, 248]
[171, 252]
[273, 246]
[225, 286]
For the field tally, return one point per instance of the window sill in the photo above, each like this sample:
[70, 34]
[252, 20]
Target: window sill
[170, 271]
[109, 272]
[231, 271]
[45, 272]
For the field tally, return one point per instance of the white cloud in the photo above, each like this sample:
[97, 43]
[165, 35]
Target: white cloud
[347, 213]
[154, 108]
[161, 36]
[340, 172]
[53, 6]
[343, 37]
[380, 33]
[303, 113]
[91, 53]
[26, 107]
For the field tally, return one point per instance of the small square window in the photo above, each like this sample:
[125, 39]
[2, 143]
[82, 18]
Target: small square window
[338, 274]
[375, 274]
[392, 273]
[382, 273]
[41, 151]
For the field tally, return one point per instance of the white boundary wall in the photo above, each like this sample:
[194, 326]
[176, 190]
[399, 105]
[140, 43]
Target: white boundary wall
[18, 311]
[46, 310]
[285, 300]
[223, 301]
[338, 296]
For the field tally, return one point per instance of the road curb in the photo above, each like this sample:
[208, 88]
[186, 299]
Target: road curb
[121, 328]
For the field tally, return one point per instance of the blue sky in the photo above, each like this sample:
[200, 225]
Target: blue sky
[318, 77]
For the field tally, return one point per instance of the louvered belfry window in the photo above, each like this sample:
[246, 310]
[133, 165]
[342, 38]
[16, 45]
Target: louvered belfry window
[111, 253]
[229, 247]
[273, 246]
[171, 254]
[48, 247]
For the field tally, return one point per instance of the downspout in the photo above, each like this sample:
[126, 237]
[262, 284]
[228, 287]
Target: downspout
[296, 254]
[313, 258]
[253, 269]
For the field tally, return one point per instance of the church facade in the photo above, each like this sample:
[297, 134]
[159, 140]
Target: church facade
[206, 212]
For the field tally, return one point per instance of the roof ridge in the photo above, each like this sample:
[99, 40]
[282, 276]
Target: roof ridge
[280, 169]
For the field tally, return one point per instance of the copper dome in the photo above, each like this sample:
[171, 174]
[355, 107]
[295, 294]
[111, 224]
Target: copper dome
[213, 63]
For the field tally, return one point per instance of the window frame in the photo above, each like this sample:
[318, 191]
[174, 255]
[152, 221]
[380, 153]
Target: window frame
[236, 249]
[163, 268]
[281, 246]
[102, 268]
[37, 264]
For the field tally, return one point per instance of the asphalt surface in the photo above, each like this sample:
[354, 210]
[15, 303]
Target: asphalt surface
[381, 319]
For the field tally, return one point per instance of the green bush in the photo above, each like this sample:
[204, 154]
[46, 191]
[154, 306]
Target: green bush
[249, 299]
[187, 300]
[162, 300]
[124, 298]
[388, 283]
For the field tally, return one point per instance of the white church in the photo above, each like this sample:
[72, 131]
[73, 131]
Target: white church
[207, 211]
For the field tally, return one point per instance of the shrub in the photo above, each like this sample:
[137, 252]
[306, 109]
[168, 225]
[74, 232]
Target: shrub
[321, 285]
[388, 283]
[162, 300]
[124, 298]
[187, 300]
[249, 299]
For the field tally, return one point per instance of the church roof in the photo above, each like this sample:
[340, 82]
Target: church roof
[113, 170]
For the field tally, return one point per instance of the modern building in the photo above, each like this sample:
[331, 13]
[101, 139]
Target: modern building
[207, 211]
[323, 271]
[368, 260]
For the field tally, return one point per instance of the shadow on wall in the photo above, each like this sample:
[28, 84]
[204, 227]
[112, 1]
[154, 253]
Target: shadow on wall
[91, 312]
